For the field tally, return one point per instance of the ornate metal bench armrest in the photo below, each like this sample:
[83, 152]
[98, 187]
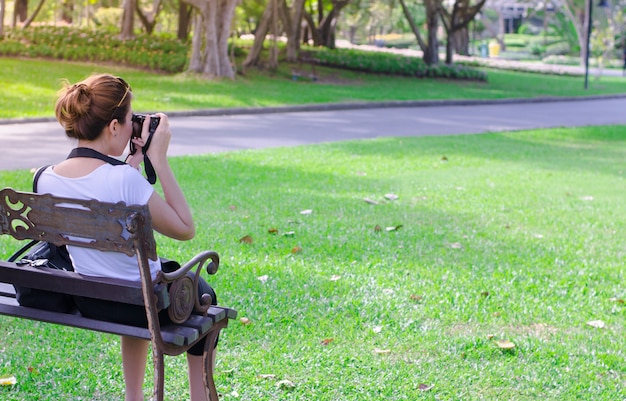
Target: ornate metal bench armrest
[184, 290]
[200, 259]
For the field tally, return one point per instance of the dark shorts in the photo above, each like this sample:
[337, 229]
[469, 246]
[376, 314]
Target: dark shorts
[135, 315]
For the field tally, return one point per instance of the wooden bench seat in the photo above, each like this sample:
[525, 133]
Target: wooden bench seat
[119, 228]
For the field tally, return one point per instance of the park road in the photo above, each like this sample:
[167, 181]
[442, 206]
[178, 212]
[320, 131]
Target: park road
[28, 145]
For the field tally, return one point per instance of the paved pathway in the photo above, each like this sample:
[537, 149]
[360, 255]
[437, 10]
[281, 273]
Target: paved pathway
[32, 144]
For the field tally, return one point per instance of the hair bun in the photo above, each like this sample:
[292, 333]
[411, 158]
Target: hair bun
[81, 94]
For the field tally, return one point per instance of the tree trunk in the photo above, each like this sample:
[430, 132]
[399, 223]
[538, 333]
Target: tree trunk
[292, 21]
[128, 17]
[2, 11]
[67, 9]
[328, 26]
[579, 26]
[34, 15]
[461, 41]
[273, 62]
[149, 18]
[449, 48]
[195, 61]
[259, 38]
[184, 21]
[227, 12]
[416, 32]
[315, 35]
[209, 21]
[431, 53]
[20, 12]
[456, 23]
[320, 11]
[214, 27]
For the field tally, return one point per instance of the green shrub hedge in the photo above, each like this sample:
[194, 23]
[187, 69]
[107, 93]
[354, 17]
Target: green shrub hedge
[390, 63]
[156, 52]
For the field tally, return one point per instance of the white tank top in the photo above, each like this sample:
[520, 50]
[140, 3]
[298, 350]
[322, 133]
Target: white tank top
[107, 183]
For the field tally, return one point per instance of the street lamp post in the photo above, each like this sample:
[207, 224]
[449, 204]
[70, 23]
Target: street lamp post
[601, 3]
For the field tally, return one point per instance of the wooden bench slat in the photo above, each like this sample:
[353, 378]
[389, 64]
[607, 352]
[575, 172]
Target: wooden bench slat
[216, 313]
[59, 219]
[230, 313]
[72, 283]
[200, 323]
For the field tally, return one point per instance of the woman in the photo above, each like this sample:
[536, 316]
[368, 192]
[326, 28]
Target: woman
[97, 112]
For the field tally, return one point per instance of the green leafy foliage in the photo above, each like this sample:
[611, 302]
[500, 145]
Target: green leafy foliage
[156, 52]
[389, 63]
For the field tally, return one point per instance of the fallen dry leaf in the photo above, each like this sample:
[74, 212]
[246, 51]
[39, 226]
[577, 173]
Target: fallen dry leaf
[7, 380]
[394, 228]
[273, 231]
[232, 207]
[286, 384]
[370, 201]
[267, 376]
[425, 387]
[382, 351]
[505, 344]
[617, 300]
[296, 249]
[246, 239]
[377, 228]
[245, 320]
[598, 324]
[444, 158]
[416, 298]
[327, 341]
[456, 245]
[391, 197]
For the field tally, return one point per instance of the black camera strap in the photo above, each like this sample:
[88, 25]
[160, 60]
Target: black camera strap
[94, 154]
[147, 164]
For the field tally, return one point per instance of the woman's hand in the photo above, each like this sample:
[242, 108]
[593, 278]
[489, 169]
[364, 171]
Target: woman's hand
[160, 142]
[135, 159]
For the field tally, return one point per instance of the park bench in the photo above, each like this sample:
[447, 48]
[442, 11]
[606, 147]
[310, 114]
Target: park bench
[305, 57]
[119, 228]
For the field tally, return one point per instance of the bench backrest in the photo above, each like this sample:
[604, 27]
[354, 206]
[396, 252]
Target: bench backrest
[86, 223]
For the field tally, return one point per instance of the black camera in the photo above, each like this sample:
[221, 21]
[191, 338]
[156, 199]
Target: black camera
[137, 120]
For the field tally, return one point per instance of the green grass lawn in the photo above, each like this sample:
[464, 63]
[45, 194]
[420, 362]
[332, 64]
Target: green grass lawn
[505, 237]
[30, 87]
